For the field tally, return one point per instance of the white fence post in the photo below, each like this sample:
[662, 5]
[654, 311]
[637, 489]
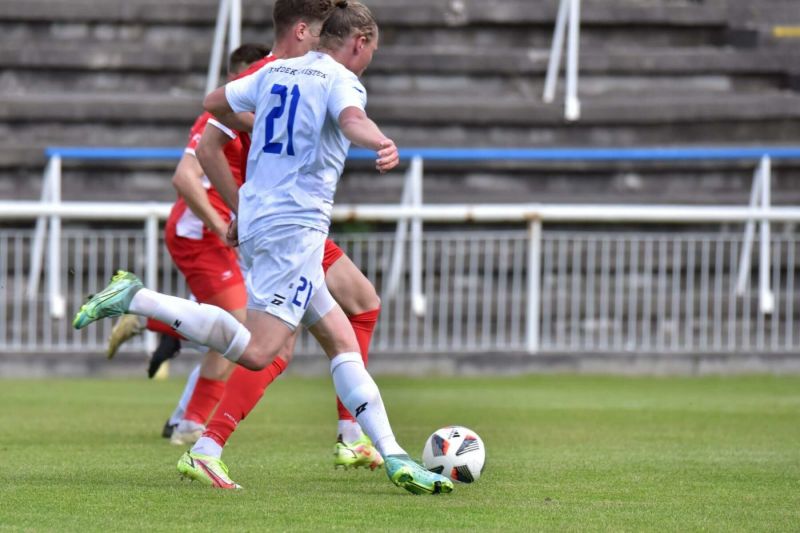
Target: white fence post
[556, 48]
[759, 197]
[235, 26]
[572, 106]
[412, 180]
[534, 285]
[151, 267]
[766, 298]
[568, 18]
[57, 304]
[749, 232]
[215, 62]
[417, 297]
[37, 248]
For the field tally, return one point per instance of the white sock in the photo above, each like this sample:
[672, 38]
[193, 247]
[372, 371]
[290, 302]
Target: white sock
[361, 396]
[188, 390]
[204, 324]
[207, 446]
[349, 430]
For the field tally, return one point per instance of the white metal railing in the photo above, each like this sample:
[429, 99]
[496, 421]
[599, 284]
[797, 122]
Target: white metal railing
[486, 291]
[594, 273]
[568, 21]
[51, 194]
[229, 21]
[759, 197]
[412, 195]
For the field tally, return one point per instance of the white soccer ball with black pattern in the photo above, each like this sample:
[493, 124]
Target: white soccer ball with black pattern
[456, 452]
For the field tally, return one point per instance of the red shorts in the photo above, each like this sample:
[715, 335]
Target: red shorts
[331, 255]
[208, 265]
[211, 267]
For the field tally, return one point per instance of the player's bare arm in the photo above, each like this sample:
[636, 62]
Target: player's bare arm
[216, 104]
[212, 158]
[188, 184]
[361, 130]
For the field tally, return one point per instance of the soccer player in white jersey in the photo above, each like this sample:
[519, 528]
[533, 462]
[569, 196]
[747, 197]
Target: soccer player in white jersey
[307, 112]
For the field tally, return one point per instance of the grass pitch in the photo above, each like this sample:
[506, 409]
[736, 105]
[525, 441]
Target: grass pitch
[565, 453]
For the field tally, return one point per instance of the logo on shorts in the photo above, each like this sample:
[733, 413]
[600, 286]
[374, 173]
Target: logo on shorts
[278, 300]
[226, 275]
[176, 324]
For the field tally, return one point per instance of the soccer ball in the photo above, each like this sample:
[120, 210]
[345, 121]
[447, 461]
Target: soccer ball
[456, 452]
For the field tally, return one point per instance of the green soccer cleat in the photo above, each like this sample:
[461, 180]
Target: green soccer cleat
[404, 472]
[207, 470]
[356, 454]
[112, 301]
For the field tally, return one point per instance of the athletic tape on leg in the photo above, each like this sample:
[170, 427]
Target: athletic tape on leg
[320, 305]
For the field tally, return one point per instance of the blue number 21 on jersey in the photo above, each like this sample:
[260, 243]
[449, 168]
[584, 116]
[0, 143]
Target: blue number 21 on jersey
[271, 147]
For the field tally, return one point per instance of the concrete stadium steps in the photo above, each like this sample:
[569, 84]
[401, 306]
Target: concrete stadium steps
[652, 72]
[412, 12]
[128, 67]
[424, 110]
[77, 55]
[653, 110]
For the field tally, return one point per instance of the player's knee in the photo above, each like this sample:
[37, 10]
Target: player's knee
[254, 360]
[285, 355]
[371, 299]
[362, 299]
[258, 357]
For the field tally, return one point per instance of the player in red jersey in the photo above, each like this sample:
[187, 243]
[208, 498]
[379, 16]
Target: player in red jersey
[195, 237]
[351, 289]
[214, 277]
[195, 232]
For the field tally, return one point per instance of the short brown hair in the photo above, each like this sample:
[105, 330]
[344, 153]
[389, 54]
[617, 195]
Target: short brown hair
[348, 17]
[286, 13]
[246, 54]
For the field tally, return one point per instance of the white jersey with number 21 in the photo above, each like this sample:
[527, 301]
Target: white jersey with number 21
[298, 151]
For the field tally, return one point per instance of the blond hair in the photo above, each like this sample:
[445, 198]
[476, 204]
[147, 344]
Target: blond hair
[347, 18]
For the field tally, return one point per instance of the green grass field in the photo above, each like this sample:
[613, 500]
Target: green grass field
[565, 453]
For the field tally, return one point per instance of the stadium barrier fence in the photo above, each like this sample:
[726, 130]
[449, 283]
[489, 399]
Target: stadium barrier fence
[568, 20]
[441, 261]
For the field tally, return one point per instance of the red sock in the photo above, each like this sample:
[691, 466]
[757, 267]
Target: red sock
[242, 392]
[205, 398]
[160, 327]
[364, 325]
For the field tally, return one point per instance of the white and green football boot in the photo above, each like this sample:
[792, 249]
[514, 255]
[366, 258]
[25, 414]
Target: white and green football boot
[356, 454]
[404, 472]
[112, 301]
[207, 470]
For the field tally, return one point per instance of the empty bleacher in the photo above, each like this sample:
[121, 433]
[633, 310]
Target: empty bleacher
[448, 73]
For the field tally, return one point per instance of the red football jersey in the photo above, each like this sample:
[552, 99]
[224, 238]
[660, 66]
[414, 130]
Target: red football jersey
[233, 153]
[187, 223]
[244, 136]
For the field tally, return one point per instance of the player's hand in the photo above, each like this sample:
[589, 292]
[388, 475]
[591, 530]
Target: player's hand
[388, 156]
[232, 237]
[221, 231]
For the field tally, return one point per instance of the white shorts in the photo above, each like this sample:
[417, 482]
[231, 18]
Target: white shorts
[284, 273]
